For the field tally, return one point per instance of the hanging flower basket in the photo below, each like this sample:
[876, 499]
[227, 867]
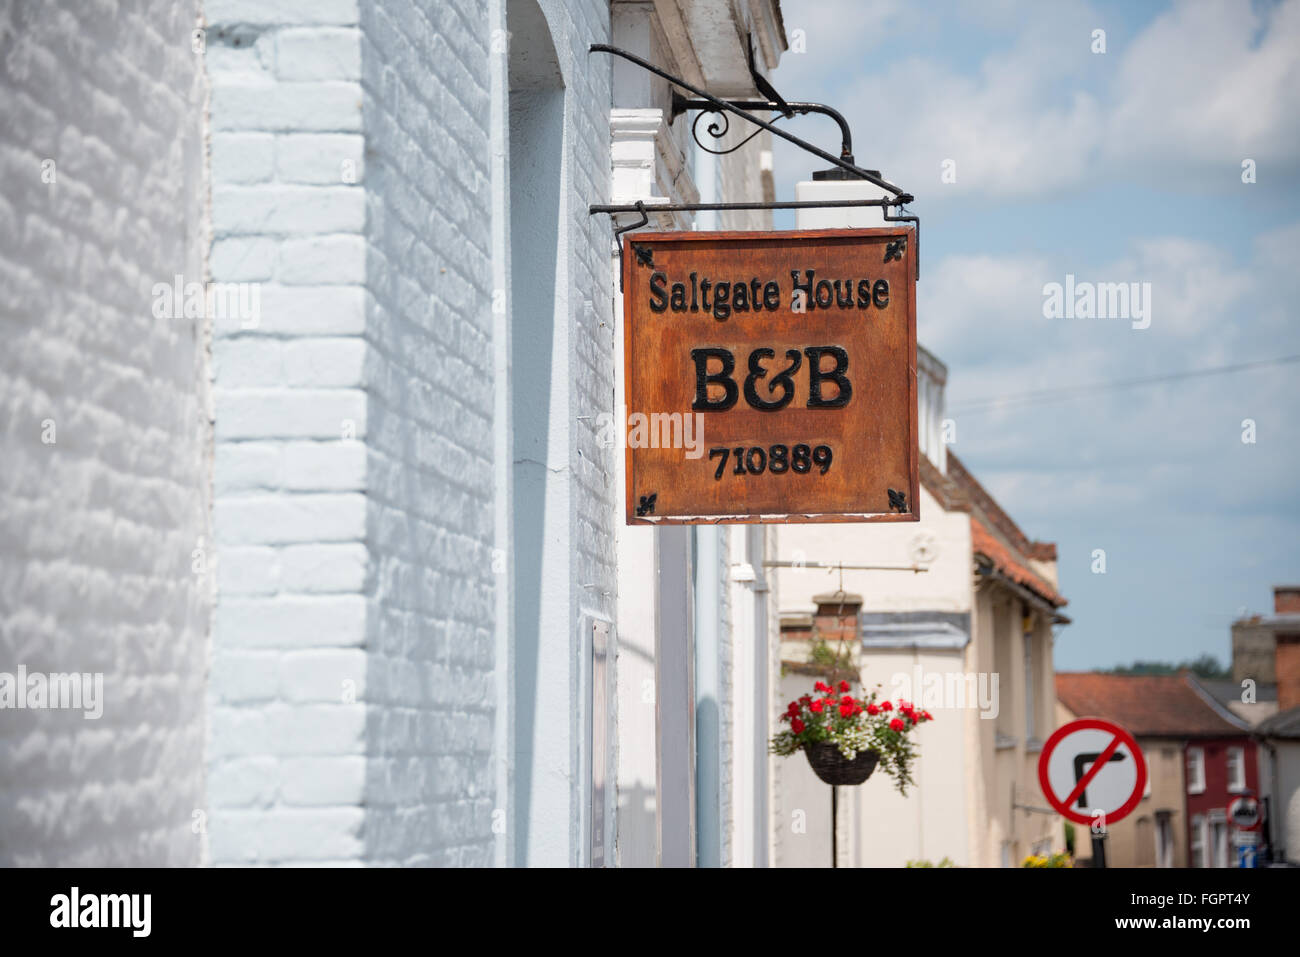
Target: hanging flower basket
[834, 768]
[845, 738]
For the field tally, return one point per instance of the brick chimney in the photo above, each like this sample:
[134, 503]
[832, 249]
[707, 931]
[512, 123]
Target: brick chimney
[1286, 599]
[1287, 669]
[1286, 649]
[837, 617]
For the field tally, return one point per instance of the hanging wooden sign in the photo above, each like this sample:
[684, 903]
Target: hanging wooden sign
[770, 377]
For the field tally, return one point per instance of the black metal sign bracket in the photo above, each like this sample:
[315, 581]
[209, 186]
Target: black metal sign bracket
[843, 165]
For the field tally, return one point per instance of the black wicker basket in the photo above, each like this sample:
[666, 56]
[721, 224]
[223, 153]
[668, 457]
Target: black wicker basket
[833, 768]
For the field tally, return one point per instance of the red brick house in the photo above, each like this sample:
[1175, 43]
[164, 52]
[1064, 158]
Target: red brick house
[1200, 756]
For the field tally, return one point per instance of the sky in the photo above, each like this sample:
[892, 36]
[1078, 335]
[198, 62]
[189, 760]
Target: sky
[1122, 166]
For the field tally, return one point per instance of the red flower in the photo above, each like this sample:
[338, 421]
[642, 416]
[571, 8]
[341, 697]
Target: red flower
[847, 699]
[821, 686]
[816, 706]
[857, 708]
[844, 686]
[792, 710]
[872, 709]
[797, 726]
[897, 725]
[927, 716]
[805, 700]
[885, 706]
[904, 706]
[846, 710]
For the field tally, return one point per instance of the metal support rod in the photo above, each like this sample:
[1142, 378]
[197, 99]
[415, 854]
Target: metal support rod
[831, 566]
[835, 825]
[916, 238]
[1036, 810]
[642, 207]
[903, 197]
[1099, 850]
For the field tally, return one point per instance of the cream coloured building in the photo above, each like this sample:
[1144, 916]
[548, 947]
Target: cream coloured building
[965, 629]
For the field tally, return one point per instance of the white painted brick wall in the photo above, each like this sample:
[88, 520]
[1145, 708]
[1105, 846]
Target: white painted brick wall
[288, 689]
[424, 69]
[350, 163]
[350, 699]
[97, 529]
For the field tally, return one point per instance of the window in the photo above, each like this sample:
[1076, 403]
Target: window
[1029, 678]
[1164, 839]
[1003, 628]
[1236, 769]
[1146, 847]
[1219, 838]
[1200, 837]
[1195, 770]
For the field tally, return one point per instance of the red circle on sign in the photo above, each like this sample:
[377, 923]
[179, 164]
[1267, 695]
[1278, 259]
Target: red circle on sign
[1097, 724]
[1232, 812]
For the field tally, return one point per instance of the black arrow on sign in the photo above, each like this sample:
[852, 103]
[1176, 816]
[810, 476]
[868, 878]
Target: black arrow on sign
[1079, 761]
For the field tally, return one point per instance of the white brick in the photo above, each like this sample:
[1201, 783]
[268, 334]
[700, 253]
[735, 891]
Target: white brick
[287, 209]
[322, 781]
[248, 571]
[243, 677]
[278, 730]
[248, 62]
[269, 519]
[243, 466]
[294, 311]
[318, 157]
[318, 54]
[244, 259]
[320, 676]
[323, 259]
[281, 11]
[323, 568]
[283, 413]
[324, 363]
[243, 782]
[324, 466]
[248, 363]
[243, 157]
[323, 107]
[296, 622]
[287, 835]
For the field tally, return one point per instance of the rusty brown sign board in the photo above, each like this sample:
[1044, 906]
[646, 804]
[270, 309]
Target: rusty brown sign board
[770, 377]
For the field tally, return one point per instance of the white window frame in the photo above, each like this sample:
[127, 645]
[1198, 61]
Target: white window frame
[1219, 833]
[1031, 706]
[1199, 842]
[1164, 838]
[1196, 763]
[1236, 769]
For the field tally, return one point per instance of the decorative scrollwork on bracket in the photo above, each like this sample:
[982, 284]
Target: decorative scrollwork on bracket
[716, 130]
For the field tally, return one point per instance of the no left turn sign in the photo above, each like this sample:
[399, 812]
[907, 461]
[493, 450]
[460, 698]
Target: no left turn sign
[1090, 766]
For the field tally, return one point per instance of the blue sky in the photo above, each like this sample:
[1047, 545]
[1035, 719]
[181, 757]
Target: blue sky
[1123, 166]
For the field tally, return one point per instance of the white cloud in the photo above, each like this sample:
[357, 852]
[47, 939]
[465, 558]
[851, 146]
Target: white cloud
[1202, 87]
